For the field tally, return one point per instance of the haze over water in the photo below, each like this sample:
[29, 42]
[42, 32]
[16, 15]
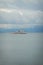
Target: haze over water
[21, 49]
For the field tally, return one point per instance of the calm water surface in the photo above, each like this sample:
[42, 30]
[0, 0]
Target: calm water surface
[21, 49]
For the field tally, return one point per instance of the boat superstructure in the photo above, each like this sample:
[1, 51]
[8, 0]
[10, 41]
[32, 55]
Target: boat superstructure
[20, 32]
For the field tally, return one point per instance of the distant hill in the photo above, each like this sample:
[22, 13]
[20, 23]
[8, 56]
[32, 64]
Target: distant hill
[33, 29]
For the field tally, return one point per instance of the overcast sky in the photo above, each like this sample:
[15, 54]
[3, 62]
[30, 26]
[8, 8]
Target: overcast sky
[21, 12]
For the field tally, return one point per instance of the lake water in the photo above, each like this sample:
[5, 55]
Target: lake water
[21, 49]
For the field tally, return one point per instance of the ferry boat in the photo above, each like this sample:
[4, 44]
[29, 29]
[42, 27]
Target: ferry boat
[20, 32]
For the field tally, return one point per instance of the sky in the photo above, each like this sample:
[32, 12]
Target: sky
[21, 13]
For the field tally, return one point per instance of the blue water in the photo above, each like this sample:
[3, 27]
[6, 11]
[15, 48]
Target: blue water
[21, 49]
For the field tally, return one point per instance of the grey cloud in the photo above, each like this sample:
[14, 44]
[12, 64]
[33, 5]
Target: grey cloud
[33, 1]
[25, 4]
[20, 16]
[26, 1]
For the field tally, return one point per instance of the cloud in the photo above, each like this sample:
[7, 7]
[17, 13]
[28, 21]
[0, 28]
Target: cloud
[21, 13]
[33, 1]
[5, 10]
[8, 1]
[26, 1]
[26, 4]
[10, 11]
[9, 26]
[21, 16]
